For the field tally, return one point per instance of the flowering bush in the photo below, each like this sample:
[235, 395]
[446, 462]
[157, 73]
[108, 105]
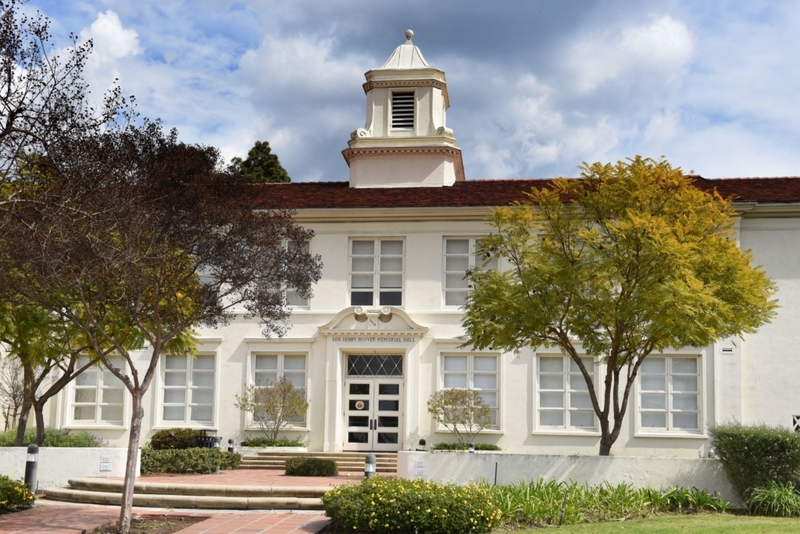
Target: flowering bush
[14, 493]
[380, 504]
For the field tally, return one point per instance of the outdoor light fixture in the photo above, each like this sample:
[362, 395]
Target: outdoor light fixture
[230, 445]
[421, 446]
[30, 467]
[370, 464]
[471, 447]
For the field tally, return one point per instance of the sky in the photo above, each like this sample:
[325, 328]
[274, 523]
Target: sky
[536, 86]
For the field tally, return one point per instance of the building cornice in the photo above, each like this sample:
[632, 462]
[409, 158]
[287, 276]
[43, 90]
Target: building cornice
[452, 152]
[406, 83]
[343, 215]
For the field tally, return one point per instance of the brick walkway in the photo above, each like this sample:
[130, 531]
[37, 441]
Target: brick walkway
[52, 517]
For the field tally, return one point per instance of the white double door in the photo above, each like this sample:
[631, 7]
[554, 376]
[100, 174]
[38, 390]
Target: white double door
[372, 413]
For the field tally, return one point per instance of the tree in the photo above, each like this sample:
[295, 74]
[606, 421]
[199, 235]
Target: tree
[261, 165]
[273, 405]
[629, 260]
[136, 228]
[11, 392]
[462, 411]
[43, 97]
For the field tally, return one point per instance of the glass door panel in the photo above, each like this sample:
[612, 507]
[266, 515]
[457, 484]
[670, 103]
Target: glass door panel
[372, 414]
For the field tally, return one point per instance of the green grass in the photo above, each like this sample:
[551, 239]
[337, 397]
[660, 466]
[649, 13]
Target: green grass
[669, 524]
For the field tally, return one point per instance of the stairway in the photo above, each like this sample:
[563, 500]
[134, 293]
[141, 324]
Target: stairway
[347, 462]
[103, 491]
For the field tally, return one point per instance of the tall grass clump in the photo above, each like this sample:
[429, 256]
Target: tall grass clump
[380, 504]
[776, 499]
[755, 456]
[539, 503]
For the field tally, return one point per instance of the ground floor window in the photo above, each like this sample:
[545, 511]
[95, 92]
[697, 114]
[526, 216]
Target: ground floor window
[97, 396]
[669, 393]
[563, 395]
[269, 368]
[188, 389]
[478, 372]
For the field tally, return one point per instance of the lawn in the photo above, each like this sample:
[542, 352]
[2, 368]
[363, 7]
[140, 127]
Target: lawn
[668, 524]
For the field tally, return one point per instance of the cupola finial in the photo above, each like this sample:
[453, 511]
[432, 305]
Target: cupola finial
[409, 35]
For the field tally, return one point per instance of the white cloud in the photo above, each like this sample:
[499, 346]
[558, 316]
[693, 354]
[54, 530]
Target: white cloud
[661, 48]
[111, 40]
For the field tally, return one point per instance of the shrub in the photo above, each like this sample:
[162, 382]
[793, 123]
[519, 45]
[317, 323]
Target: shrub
[54, 438]
[311, 467]
[754, 456]
[273, 405]
[463, 447]
[461, 411]
[264, 442]
[175, 438]
[14, 494]
[195, 460]
[380, 504]
[778, 500]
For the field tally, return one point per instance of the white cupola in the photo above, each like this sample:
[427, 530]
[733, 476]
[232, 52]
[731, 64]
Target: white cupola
[405, 141]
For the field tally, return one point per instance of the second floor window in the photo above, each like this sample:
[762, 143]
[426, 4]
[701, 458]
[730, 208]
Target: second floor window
[460, 254]
[376, 272]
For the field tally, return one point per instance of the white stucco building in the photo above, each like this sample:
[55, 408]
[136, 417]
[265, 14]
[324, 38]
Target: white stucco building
[381, 332]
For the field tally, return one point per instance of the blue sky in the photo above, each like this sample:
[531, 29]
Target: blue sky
[536, 86]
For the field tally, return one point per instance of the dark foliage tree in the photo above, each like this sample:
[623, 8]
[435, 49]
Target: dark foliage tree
[261, 165]
[132, 227]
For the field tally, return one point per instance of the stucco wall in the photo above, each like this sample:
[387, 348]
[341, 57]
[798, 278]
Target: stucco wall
[56, 465]
[462, 467]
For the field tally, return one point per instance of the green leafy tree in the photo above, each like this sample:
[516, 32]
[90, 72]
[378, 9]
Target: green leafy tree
[261, 165]
[629, 260]
[461, 411]
[273, 405]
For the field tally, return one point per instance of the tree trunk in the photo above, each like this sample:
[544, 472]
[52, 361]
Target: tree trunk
[38, 410]
[130, 464]
[605, 444]
[28, 391]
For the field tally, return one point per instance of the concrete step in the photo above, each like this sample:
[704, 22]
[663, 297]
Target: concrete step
[99, 491]
[345, 461]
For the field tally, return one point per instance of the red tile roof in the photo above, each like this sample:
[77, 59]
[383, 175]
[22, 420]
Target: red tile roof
[476, 193]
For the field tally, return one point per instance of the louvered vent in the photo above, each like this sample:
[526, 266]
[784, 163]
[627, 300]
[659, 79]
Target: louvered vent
[403, 111]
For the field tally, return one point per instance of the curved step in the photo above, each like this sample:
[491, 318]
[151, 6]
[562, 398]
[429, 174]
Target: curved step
[160, 488]
[185, 501]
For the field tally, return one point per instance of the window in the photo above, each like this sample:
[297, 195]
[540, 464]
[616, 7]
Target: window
[268, 368]
[564, 401]
[472, 371]
[188, 390]
[669, 393]
[292, 297]
[402, 111]
[376, 272]
[98, 395]
[459, 256]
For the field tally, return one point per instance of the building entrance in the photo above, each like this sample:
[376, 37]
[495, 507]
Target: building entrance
[373, 400]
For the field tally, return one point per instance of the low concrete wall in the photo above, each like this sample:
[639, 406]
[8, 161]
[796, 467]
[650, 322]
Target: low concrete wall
[57, 465]
[463, 467]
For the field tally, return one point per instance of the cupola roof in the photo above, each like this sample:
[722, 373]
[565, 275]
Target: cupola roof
[406, 56]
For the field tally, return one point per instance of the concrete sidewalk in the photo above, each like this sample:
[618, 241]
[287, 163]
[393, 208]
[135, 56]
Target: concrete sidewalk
[62, 518]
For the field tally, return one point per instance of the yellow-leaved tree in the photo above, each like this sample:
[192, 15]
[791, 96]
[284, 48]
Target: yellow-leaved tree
[628, 260]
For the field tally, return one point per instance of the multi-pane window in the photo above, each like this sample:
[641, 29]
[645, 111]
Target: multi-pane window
[188, 389]
[98, 396]
[459, 256]
[268, 368]
[472, 371]
[669, 393]
[564, 401]
[292, 297]
[376, 272]
[402, 111]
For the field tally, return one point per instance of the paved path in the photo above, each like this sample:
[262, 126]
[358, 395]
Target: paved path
[52, 517]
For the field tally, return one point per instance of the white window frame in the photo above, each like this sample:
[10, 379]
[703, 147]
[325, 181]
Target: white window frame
[102, 377]
[573, 385]
[670, 394]
[280, 369]
[290, 296]
[471, 372]
[189, 387]
[451, 282]
[377, 273]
